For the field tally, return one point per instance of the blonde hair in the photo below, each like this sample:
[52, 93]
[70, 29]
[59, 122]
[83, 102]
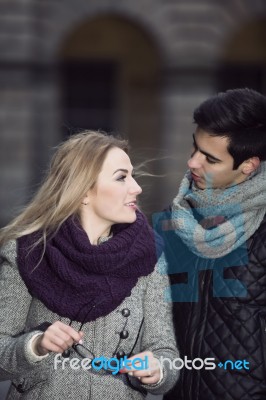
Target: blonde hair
[73, 171]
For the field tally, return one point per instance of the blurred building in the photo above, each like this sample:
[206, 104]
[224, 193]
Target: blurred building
[138, 68]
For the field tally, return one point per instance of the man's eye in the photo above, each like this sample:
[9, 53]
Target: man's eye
[210, 161]
[193, 152]
[121, 178]
[194, 149]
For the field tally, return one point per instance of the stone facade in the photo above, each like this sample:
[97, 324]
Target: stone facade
[187, 42]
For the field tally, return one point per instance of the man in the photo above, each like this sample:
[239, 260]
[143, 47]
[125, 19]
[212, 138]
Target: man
[215, 249]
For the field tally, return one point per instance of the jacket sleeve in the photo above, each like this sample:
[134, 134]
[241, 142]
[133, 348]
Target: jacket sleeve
[158, 334]
[16, 360]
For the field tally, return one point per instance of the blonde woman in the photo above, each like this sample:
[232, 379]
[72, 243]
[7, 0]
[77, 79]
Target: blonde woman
[82, 312]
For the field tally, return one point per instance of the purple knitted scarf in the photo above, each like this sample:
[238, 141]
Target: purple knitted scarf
[81, 281]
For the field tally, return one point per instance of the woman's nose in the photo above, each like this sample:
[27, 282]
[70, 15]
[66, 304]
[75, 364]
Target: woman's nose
[135, 188]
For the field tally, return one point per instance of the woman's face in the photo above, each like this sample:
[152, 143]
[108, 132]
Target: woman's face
[114, 197]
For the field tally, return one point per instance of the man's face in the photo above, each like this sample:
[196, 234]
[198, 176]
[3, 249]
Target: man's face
[210, 163]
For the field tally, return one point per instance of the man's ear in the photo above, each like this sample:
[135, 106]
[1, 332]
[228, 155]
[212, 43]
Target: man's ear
[250, 165]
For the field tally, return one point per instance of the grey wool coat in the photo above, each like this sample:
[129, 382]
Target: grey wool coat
[20, 318]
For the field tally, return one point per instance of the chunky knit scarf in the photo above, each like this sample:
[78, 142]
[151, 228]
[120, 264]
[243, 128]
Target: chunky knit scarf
[81, 281]
[226, 217]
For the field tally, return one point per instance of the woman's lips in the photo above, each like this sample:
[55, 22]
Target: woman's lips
[132, 205]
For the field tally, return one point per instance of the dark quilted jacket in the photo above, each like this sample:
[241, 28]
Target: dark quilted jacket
[220, 312]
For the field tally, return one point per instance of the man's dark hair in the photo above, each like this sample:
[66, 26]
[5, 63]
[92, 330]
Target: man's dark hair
[239, 115]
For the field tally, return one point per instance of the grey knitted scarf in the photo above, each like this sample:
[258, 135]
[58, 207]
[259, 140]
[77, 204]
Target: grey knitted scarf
[226, 218]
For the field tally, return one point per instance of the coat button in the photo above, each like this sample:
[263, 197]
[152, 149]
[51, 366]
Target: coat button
[126, 312]
[124, 334]
[20, 388]
[66, 353]
[120, 354]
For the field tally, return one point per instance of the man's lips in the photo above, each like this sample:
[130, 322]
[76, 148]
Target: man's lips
[195, 177]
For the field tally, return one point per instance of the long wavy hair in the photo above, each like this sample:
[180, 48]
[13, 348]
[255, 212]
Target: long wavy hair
[73, 171]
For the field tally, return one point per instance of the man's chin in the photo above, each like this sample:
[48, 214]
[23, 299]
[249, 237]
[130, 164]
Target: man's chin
[200, 185]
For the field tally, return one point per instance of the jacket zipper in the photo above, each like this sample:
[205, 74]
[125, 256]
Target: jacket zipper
[204, 284]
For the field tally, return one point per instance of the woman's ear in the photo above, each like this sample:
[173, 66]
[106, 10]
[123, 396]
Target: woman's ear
[85, 200]
[250, 165]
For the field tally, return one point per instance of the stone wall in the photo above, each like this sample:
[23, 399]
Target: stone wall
[191, 37]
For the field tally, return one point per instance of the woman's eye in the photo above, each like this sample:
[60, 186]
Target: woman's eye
[121, 178]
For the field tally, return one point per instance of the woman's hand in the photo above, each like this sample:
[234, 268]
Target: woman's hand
[149, 376]
[57, 338]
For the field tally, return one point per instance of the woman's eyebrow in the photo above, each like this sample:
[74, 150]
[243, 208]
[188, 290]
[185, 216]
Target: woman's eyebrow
[121, 170]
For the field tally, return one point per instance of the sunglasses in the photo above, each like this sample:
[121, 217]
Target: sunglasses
[111, 364]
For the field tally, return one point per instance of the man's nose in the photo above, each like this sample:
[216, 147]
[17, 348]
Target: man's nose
[195, 160]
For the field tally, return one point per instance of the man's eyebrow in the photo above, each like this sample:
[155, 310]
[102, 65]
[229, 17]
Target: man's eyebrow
[204, 152]
[121, 170]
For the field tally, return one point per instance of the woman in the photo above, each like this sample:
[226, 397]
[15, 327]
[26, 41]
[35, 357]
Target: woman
[82, 312]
